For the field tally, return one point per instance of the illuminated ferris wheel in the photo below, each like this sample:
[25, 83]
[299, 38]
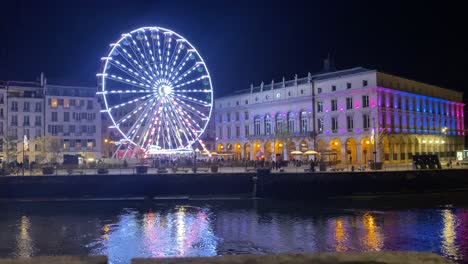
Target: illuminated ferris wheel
[156, 90]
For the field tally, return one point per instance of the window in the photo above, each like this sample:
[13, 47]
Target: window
[77, 102]
[290, 123]
[1, 99]
[229, 131]
[365, 122]
[38, 107]
[89, 104]
[334, 104]
[38, 133]
[364, 83]
[256, 99]
[26, 107]
[220, 132]
[54, 116]
[246, 130]
[78, 143]
[220, 118]
[237, 116]
[302, 91]
[84, 129]
[267, 125]
[71, 128]
[349, 123]
[333, 88]
[319, 90]
[246, 101]
[14, 120]
[246, 115]
[289, 93]
[90, 143]
[14, 106]
[37, 121]
[348, 85]
[279, 123]
[257, 126]
[52, 129]
[349, 103]
[66, 103]
[229, 117]
[320, 125]
[365, 101]
[304, 122]
[66, 116]
[54, 102]
[26, 121]
[334, 124]
[319, 107]
[237, 102]
[237, 131]
[1, 113]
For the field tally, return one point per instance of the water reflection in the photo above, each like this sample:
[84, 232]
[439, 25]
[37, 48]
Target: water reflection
[126, 231]
[373, 239]
[449, 247]
[23, 239]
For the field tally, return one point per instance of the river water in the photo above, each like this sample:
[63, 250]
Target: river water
[163, 228]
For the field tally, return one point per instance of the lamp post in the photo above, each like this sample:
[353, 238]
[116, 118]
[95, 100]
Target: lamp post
[444, 131]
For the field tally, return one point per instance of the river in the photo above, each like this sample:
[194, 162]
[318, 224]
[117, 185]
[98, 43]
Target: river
[165, 228]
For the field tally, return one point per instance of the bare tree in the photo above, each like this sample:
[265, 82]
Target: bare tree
[50, 148]
[10, 148]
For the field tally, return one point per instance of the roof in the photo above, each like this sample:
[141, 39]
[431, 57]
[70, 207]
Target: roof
[60, 90]
[320, 76]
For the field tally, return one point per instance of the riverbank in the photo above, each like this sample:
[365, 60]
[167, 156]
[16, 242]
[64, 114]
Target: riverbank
[261, 184]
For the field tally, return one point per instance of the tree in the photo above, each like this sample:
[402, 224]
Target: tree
[10, 148]
[50, 148]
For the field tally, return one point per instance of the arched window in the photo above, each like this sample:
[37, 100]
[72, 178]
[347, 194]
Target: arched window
[257, 125]
[290, 122]
[267, 125]
[304, 122]
[279, 123]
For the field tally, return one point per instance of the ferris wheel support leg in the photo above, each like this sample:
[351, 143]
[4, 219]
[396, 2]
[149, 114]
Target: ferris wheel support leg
[116, 151]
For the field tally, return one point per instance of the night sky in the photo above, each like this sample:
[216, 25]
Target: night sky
[242, 42]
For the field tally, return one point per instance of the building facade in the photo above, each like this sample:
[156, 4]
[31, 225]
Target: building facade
[351, 116]
[32, 112]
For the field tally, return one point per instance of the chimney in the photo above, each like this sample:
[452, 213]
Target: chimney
[42, 79]
[328, 64]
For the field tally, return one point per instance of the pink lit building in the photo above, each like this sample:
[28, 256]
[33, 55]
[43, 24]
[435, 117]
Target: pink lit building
[354, 115]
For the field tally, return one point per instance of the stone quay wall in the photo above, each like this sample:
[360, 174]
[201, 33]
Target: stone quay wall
[260, 184]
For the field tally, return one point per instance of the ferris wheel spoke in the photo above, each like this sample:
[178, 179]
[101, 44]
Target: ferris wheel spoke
[120, 79]
[191, 81]
[128, 70]
[185, 114]
[189, 71]
[129, 102]
[134, 112]
[175, 56]
[193, 110]
[138, 125]
[182, 91]
[191, 99]
[178, 69]
[133, 62]
[181, 122]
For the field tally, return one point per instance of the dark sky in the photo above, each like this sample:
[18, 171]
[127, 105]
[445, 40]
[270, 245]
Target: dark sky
[242, 41]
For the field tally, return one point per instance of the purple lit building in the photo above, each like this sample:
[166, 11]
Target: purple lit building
[354, 116]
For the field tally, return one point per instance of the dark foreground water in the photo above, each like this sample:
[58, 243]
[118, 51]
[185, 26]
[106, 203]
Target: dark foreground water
[126, 229]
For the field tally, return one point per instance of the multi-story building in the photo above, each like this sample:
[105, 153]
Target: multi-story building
[353, 116]
[73, 114]
[30, 111]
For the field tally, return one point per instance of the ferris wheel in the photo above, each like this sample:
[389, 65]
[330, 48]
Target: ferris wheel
[157, 91]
